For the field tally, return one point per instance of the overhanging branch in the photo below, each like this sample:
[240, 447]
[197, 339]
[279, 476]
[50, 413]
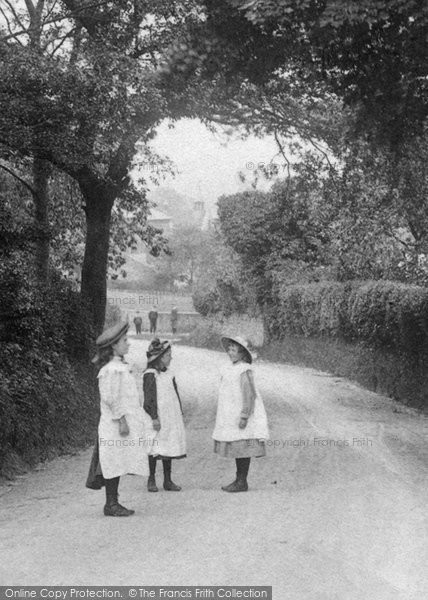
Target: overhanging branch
[21, 180]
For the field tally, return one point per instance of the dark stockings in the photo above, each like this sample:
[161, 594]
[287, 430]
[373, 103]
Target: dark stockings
[166, 462]
[167, 482]
[240, 484]
[112, 507]
[242, 467]
[112, 485]
[166, 469]
[152, 466]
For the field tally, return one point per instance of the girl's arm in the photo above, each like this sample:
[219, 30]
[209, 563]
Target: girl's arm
[123, 426]
[111, 392]
[150, 404]
[178, 395]
[248, 392]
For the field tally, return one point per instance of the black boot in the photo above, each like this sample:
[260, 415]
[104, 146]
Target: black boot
[112, 507]
[151, 482]
[168, 484]
[240, 484]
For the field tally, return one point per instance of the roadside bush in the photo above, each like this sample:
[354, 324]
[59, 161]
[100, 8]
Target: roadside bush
[47, 406]
[375, 332]
[311, 309]
[206, 302]
[390, 314]
[47, 384]
[380, 370]
[207, 334]
[224, 297]
[381, 313]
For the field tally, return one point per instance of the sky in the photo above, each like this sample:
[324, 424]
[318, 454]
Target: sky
[208, 164]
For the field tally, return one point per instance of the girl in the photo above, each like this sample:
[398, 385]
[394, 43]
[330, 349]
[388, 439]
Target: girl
[241, 423]
[162, 403]
[120, 430]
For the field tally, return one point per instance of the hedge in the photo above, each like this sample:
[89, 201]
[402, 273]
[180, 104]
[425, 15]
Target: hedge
[47, 386]
[381, 313]
[375, 332]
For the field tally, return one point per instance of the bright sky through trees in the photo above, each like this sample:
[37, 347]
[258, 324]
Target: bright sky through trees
[209, 164]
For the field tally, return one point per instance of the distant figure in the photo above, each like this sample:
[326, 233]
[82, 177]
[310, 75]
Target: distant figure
[153, 318]
[174, 319]
[138, 321]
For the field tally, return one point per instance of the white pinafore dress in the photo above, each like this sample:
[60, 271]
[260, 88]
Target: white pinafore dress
[229, 439]
[170, 441]
[120, 454]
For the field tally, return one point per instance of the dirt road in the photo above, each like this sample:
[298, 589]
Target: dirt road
[336, 511]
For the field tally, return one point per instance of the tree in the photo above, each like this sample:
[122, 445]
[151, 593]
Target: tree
[222, 285]
[380, 226]
[187, 247]
[372, 55]
[287, 226]
[83, 99]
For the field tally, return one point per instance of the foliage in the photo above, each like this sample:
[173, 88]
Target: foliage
[401, 377]
[113, 315]
[187, 251]
[208, 333]
[361, 217]
[47, 388]
[43, 400]
[379, 231]
[384, 314]
[372, 55]
[222, 285]
[288, 225]
[81, 88]
[45, 334]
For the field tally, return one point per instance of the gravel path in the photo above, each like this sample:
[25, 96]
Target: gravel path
[336, 511]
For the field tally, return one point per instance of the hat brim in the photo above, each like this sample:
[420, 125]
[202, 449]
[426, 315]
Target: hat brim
[114, 338]
[226, 340]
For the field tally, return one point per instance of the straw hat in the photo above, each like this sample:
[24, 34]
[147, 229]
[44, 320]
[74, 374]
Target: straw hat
[111, 335]
[156, 349]
[243, 344]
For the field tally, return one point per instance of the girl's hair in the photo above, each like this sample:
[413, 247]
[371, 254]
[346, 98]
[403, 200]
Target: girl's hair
[244, 356]
[242, 353]
[104, 356]
[156, 364]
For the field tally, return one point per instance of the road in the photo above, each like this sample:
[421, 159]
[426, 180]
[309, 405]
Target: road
[336, 511]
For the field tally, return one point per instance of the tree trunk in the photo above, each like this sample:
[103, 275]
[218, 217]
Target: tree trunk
[41, 172]
[99, 202]
[41, 168]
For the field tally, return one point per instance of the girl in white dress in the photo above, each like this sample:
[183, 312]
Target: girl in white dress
[121, 440]
[162, 403]
[241, 424]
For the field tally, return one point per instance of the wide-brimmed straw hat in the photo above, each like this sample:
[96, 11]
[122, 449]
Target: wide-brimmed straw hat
[110, 336]
[243, 344]
[156, 349]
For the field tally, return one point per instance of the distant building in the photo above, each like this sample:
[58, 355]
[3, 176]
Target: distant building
[209, 219]
[198, 212]
[160, 220]
[136, 258]
[205, 215]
